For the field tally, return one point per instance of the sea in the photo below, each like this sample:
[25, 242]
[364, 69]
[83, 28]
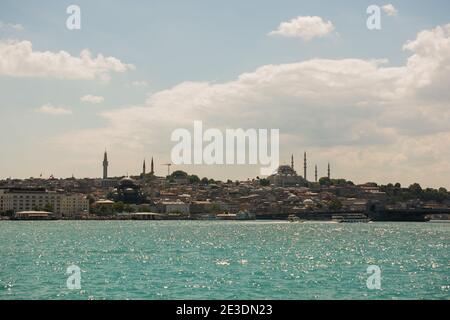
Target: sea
[90, 260]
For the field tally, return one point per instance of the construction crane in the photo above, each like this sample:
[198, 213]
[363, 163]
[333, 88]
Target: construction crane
[168, 167]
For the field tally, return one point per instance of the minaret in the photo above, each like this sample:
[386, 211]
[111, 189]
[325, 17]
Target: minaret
[143, 169]
[105, 166]
[329, 171]
[152, 171]
[304, 167]
[316, 173]
[292, 162]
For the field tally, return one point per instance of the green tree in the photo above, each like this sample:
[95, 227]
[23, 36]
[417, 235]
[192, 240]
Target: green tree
[215, 208]
[193, 179]
[118, 207]
[335, 205]
[324, 181]
[415, 189]
[179, 174]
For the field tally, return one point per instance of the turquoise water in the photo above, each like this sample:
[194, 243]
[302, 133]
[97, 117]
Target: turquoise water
[223, 260]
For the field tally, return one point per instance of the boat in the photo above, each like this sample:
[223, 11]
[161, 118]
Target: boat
[294, 218]
[351, 218]
[226, 216]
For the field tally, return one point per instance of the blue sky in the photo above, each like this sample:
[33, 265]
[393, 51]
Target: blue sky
[169, 43]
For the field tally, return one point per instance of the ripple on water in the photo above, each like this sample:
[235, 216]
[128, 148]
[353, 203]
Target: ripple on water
[223, 260]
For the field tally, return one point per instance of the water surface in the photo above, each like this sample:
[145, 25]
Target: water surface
[223, 260]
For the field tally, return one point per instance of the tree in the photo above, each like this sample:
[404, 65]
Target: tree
[415, 189]
[215, 208]
[264, 182]
[179, 174]
[193, 179]
[118, 207]
[324, 181]
[91, 199]
[338, 182]
[204, 181]
[129, 209]
[335, 205]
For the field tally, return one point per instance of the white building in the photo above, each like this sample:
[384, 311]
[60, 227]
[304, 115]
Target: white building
[17, 199]
[175, 207]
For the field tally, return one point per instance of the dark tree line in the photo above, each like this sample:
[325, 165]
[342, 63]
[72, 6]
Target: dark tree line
[396, 193]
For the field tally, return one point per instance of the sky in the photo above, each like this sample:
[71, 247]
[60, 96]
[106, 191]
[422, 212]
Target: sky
[373, 103]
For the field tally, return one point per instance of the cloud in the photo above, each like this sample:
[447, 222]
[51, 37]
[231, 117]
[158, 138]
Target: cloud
[18, 59]
[12, 26]
[54, 111]
[139, 83]
[306, 28]
[390, 10]
[389, 123]
[92, 99]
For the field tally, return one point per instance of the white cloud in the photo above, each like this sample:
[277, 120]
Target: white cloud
[92, 99]
[54, 111]
[389, 123]
[306, 28]
[139, 83]
[390, 10]
[18, 59]
[17, 27]
[12, 26]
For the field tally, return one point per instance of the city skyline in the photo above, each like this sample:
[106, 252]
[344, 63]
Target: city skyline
[373, 103]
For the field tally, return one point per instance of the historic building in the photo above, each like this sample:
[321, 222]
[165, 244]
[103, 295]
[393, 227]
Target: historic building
[286, 176]
[128, 191]
[34, 199]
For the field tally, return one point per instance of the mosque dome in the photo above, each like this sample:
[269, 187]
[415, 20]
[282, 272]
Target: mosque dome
[125, 182]
[286, 171]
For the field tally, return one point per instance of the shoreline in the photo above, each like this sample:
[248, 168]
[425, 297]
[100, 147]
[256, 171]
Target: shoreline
[227, 220]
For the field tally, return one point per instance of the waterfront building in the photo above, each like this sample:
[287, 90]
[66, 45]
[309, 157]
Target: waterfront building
[201, 207]
[34, 215]
[173, 207]
[38, 199]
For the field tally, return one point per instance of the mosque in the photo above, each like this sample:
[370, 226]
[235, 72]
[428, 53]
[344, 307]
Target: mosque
[286, 176]
[126, 190]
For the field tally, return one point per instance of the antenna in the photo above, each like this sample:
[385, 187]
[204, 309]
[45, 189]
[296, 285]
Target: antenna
[168, 167]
